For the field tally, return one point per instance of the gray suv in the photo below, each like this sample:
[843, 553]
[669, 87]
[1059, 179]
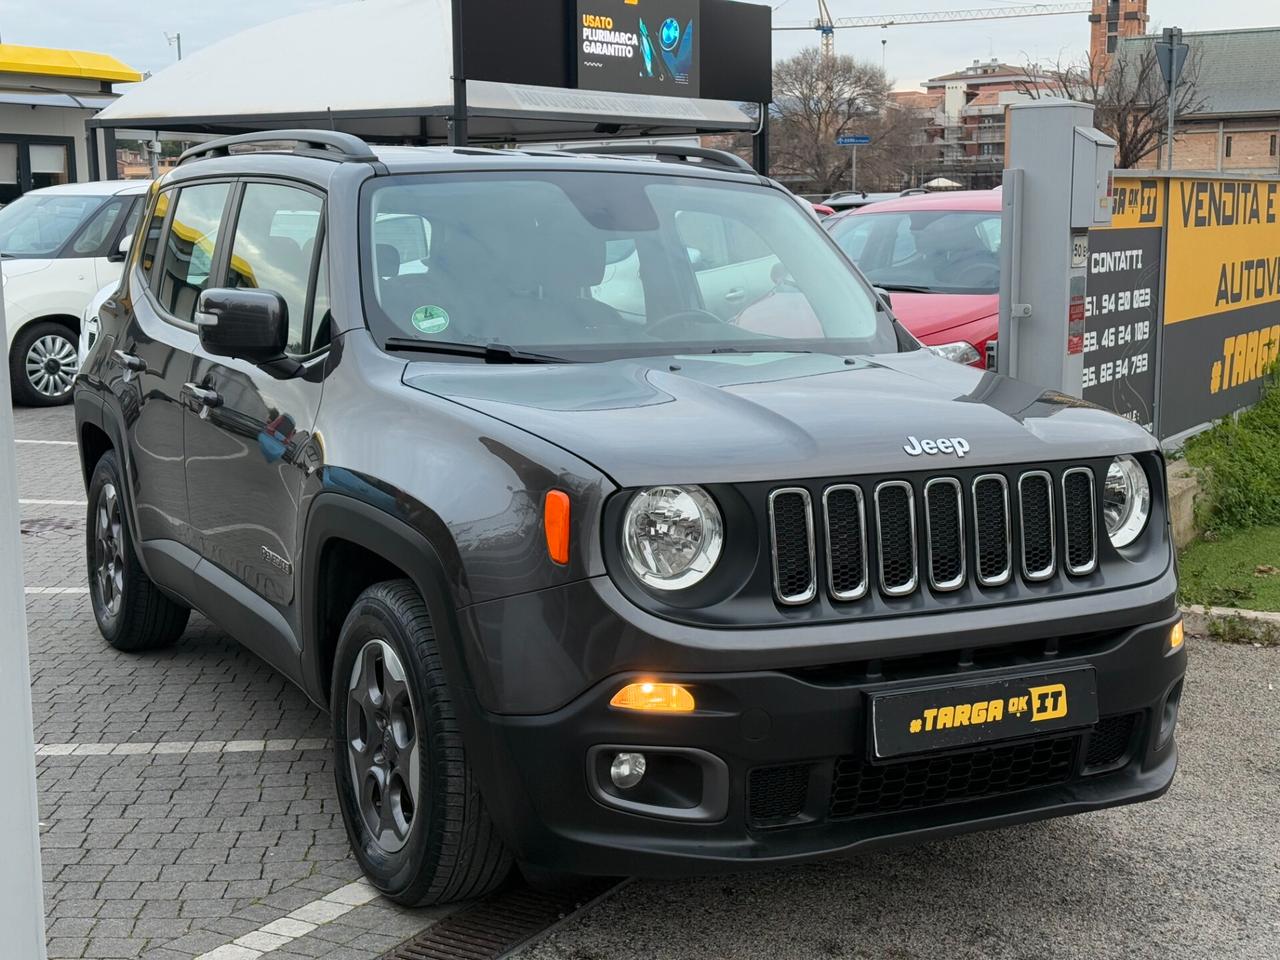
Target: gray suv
[612, 515]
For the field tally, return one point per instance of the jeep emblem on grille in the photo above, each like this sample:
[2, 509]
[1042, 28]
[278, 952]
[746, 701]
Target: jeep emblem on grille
[957, 445]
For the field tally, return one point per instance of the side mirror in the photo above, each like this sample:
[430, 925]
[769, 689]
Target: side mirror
[883, 294]
[121, 253]
[695, 255]
[250, 325]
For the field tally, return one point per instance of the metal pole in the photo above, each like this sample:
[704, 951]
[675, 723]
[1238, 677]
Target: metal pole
[21, 895]
[760, 143]
[179, 47]
[853, 169]
[458, 119]
[1173, 37]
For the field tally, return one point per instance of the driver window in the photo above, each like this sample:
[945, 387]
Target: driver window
[96, 232]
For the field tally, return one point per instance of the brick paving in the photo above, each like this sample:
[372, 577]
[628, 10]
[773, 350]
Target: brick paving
[186, 796]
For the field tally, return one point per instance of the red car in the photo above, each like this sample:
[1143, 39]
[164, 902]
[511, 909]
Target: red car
[938, 255]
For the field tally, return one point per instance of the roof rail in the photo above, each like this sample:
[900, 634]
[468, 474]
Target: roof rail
[328, 144]
[669, 152]
[913, 192]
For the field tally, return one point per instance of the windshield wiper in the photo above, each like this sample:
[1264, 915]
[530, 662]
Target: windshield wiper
[760, 349]
[905, 288]
[488, 352]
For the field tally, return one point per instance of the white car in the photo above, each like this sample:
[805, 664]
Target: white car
[59, 246]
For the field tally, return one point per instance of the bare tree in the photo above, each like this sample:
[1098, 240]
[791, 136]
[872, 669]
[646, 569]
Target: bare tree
[1128, 95]
[815, 99]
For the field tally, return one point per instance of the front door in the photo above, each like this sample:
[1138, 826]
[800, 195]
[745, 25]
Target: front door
[247, 429]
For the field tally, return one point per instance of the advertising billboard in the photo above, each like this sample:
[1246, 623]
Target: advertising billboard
[639, 46]
[1222, 297]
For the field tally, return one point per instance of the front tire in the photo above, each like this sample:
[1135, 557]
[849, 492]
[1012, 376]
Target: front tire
[131, 612]
[412, 809]
[43, 363]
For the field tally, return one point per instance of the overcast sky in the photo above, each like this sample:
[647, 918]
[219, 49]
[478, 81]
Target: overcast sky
[134, 30]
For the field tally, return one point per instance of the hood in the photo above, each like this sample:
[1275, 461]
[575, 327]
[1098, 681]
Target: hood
[929, 314]
[23, 267]
[759, 417]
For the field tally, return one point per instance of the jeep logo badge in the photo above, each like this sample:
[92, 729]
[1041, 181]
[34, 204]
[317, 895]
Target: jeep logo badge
[957, 445]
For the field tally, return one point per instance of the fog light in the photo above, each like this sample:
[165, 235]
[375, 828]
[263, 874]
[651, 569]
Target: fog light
[627, 770]
[1175, 636]
[650, 695]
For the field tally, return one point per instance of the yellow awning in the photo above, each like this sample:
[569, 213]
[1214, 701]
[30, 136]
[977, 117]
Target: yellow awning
[46, 61]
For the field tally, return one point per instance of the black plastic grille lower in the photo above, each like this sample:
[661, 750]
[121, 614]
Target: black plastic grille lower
[945, 522]
[1110, 740]
[846, 542]
[861, 789]
[1035, 492]
[1079, 523]
[991, 520]
[793, 546]
[896, 533]
[777, 794]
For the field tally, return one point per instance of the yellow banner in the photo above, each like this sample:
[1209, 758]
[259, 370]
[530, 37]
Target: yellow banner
[1223, 250]
[1136, 202]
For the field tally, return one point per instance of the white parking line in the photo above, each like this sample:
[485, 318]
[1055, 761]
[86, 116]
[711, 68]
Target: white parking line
[309, 916]
[53, 503]
[177, 747]
[53, 591]
[48, 443]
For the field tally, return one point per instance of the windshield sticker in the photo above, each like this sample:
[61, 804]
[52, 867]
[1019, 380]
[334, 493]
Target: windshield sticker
[430, 319]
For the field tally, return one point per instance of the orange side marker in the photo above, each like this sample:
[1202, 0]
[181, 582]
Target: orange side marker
[555, 519]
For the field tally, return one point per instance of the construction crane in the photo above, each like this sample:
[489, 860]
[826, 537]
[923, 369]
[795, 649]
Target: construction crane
[827, 26]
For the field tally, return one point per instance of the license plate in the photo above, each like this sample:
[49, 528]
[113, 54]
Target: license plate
[962, 714]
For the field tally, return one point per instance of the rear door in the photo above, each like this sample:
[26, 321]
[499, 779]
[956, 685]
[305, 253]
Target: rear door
[731, 263]
[247, 430]
[151, 361]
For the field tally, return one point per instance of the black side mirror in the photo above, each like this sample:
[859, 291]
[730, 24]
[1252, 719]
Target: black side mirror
[250, 325]
[883, 294]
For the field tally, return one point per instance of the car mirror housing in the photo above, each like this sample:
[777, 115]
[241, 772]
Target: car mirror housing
[121, 252]
[250, 325]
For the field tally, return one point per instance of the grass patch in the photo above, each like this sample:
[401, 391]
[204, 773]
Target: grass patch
[1240, 569]
[1239, 464]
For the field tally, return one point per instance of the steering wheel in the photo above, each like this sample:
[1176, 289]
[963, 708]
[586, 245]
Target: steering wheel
[695, 316]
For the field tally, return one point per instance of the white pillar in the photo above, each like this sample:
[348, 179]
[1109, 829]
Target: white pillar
[21, 895]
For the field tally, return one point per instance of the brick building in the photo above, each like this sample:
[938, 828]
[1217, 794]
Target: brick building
[1237, 126]
[1109, 24]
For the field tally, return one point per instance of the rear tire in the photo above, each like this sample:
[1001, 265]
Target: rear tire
[131, 611]
[43, 362]
[412, 809]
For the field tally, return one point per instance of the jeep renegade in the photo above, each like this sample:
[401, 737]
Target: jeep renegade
[613, 517]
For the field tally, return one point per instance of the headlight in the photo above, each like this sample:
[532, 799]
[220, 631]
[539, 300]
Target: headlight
[960, 352]
[1126, 500]
[672, 536]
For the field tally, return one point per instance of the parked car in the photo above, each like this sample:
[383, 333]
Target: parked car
[738, 575]
[938, 256]
[90, 324]
[58, 247]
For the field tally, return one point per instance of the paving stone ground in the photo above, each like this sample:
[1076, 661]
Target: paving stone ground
[166, 855]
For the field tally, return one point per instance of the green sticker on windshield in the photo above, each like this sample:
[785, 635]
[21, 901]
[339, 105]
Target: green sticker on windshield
[429, 319]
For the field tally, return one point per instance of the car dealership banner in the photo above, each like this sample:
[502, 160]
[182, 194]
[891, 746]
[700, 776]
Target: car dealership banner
[1183, 304]
[639, 46]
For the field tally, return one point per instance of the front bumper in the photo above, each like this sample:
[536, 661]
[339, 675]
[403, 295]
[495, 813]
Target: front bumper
[789, 751]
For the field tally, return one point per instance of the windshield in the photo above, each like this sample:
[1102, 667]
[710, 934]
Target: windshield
[934, 251]
[37, 225]
[602, 265]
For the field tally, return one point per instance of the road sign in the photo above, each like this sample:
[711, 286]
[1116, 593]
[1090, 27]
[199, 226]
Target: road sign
[852, 140]
[1171, 54]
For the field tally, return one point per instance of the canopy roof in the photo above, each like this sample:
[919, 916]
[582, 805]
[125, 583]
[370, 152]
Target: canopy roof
[36, 62]
[382, 70]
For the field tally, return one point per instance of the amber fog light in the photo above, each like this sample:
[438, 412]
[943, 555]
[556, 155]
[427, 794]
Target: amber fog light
[654, 697]
[1176, 636]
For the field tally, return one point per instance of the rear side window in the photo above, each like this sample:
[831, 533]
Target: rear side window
[274, 248]
[189, 248]
[155, 226]
[98, 230]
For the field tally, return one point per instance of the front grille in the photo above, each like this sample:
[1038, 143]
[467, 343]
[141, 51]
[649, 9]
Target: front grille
[870, 534]
[777, 794]
[862, 789]
[791, 517]
[1110, 740]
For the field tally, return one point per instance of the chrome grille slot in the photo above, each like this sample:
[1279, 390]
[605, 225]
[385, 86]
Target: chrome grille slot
[1080, 525]
[845, 514]
[1035, 501]
[791, 529]
[896, 537]
[992, 547]
[944, 533]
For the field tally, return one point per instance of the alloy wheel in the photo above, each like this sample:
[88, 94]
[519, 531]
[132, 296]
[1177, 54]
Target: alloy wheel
[108, 551]
[52, 365]
[382, 745]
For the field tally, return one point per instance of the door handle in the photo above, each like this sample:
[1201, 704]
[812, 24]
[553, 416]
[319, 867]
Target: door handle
[205, 396]
[736, 294]
[129, 361]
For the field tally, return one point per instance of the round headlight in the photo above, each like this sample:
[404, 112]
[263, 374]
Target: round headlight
[1126, 500]
[671, 536]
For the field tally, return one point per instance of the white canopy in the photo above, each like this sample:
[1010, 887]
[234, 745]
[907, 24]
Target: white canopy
[381, 69]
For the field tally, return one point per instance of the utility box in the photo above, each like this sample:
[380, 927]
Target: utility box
[1057, 186]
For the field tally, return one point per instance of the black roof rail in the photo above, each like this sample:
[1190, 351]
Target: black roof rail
[329, 144]
[670, 152]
